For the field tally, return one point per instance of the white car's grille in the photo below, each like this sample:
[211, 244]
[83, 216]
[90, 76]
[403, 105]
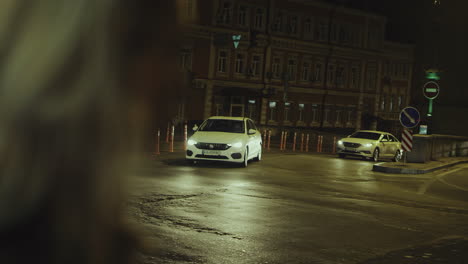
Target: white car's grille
[212, 146]
[351, 145]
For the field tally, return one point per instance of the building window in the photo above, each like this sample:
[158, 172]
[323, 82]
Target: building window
[308, 27]
[226, 13]
[189, 9]
[343, 34]
[322, 31]
[276, 68]
[314, 113]
[259, 14]
[272, 106]
[390, 104]
[287, 109]
[326, 116]
[353, 82]
[373, 40]
[252, 109]
[305, 76]
[292, 69]
[404, 71]
[277, 25]
[349, 118]
[382, 103]
[318, 72]
[292, 25]
[243, 15]
[371, 79]
[334, 33]
[338, 117]
[219, 109]
[331, 74]
[222, 61]
[255, 67]
[340, 76]
[301, 108]
[185, 60]
[240, 63]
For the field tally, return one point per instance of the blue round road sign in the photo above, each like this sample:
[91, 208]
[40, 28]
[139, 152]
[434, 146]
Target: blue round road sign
[410, 117]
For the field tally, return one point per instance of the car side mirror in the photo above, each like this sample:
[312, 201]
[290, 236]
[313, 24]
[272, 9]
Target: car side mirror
[195, 128]
[252, 131]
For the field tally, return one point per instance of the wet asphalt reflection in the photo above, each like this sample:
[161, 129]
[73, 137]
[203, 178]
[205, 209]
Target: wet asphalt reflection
[287, 208]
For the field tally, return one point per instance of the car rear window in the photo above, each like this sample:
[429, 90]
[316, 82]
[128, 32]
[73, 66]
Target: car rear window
[223, 125]
[366, 135]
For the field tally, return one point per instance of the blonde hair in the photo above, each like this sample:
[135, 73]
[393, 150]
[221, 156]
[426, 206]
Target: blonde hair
[70, 124]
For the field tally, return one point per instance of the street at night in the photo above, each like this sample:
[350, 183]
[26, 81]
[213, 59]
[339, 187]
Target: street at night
[233, 132]
[298, 208]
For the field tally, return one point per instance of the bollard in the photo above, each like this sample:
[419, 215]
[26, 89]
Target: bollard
[185, 136]
[171, 147]
[158, 141]
[282, 141]
[167, 133]
[294, 141]
[321, 143]
[285, 140]
[334, 145]
[307, 143]
[318, 143]
[302, 142]
[269, 140]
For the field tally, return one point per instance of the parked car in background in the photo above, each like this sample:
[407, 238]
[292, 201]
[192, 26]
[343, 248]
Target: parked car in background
[224, 138]
[370, 144]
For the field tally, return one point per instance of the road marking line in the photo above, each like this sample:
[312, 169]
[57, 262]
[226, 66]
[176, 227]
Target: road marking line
[438, 177]
[454, 186]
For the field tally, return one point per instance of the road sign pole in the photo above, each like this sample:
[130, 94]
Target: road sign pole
[429, 111]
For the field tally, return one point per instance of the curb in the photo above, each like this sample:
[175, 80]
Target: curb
[393, 170]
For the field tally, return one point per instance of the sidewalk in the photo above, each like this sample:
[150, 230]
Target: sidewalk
[418, 168]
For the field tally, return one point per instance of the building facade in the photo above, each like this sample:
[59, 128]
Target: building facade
[292, 63]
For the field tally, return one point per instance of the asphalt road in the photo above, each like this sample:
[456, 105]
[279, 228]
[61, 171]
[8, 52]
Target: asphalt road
[298, 208]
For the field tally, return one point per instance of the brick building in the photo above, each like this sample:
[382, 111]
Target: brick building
[300, 64]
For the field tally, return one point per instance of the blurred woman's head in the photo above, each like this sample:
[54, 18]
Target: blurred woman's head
[77, 85]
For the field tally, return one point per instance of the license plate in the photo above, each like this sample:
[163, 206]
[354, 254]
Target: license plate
[351, 149]
[211, 152]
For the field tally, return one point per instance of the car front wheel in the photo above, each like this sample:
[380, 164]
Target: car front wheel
[259, 155]
[397, 156]
[375, 155]
[246, 158]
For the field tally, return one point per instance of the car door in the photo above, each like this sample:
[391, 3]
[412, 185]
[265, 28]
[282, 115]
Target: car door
[394, 145]
[253, 140]
[385, 146]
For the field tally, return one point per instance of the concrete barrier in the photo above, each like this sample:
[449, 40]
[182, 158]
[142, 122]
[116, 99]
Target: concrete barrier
[434, 147]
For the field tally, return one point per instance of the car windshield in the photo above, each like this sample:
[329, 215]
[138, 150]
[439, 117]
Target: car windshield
[366, 135]
[223, 125]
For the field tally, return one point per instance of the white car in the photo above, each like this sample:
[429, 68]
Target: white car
[370, 144]
[224, 138]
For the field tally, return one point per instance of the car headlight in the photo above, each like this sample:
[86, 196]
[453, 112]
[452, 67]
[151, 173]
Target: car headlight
[191, 142]
[368, 145]
[340, 143]
[236, 145]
